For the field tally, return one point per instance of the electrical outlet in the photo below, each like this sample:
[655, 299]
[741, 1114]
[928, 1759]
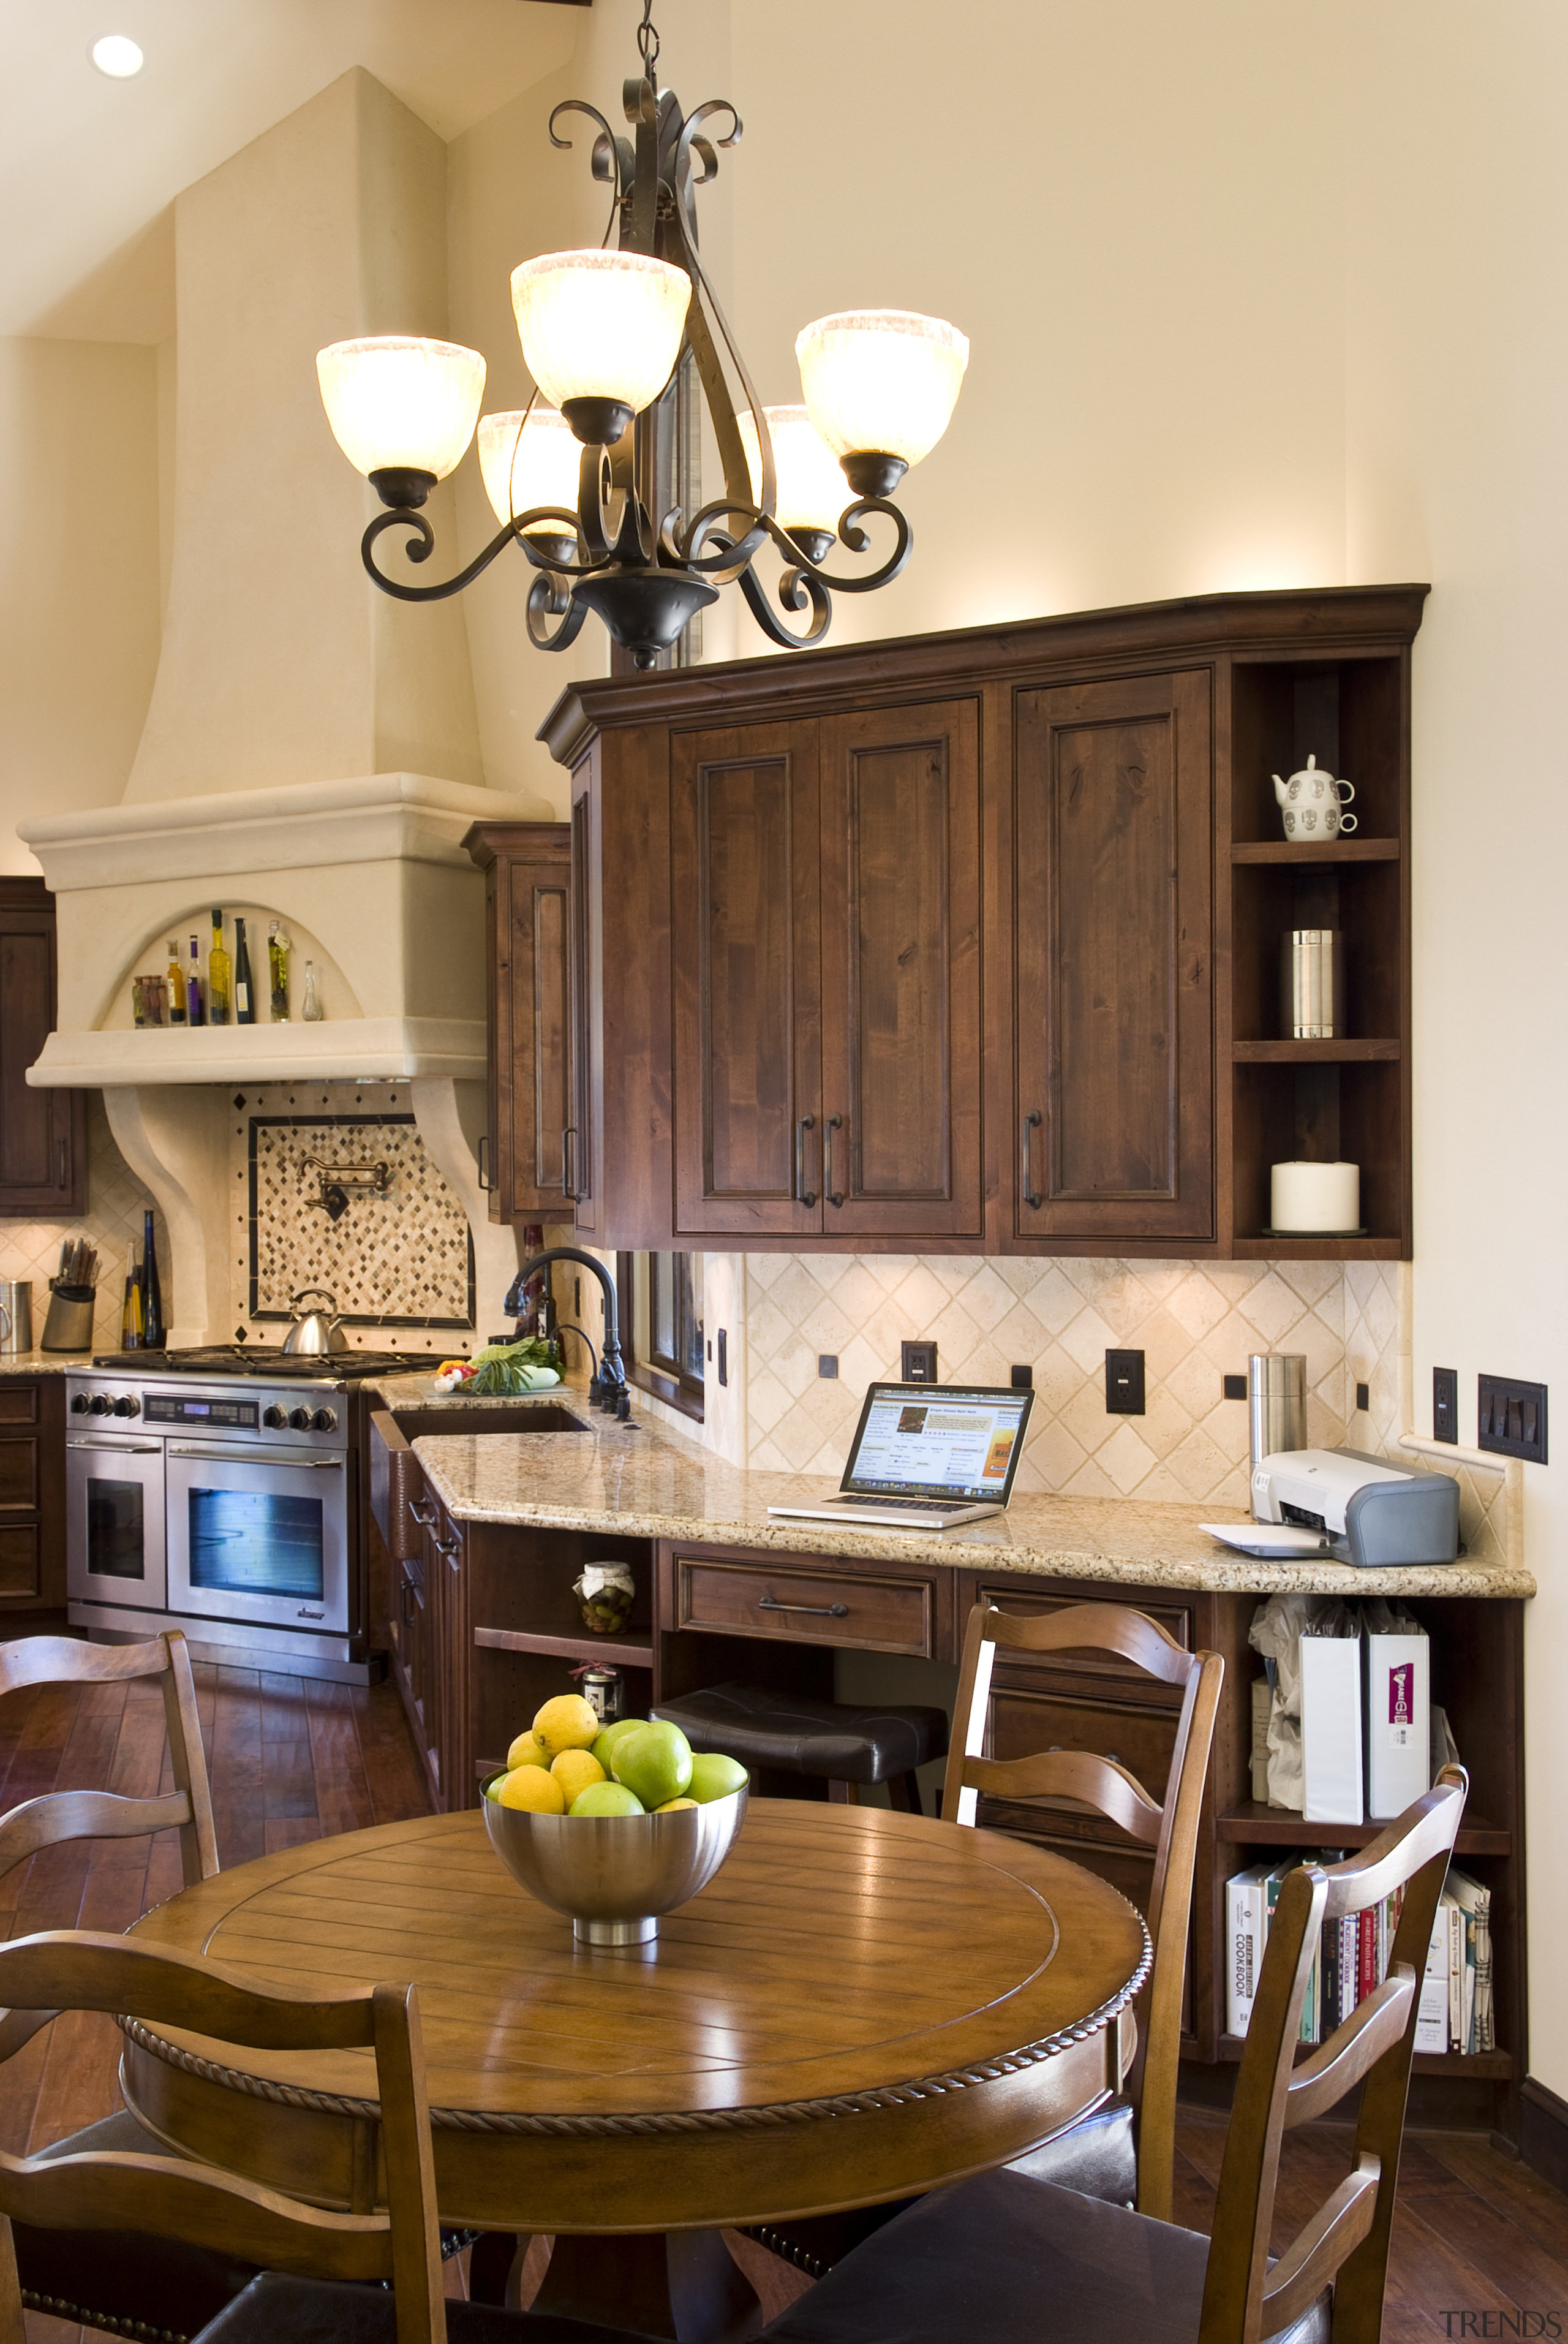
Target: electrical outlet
[724, 1355]
[919, 1364]
[1445, 1404]
[1233, 1387]
[1363, 1398]
[1021, 1379]
[828, 1363]
[1124, 1383]
[1511, 1418]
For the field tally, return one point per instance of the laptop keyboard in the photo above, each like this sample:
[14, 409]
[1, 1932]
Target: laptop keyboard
[908, 1505]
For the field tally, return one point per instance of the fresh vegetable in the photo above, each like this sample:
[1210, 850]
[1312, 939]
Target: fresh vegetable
[507, 1369]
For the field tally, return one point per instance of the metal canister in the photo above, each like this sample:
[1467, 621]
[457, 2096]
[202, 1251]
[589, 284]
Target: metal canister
[604, 1690]
[1277, 1401]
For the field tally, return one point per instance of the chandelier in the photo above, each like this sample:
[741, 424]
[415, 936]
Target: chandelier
[585, 485]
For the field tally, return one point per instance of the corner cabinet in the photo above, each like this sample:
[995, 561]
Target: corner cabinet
[43, 1133]
[971, 943]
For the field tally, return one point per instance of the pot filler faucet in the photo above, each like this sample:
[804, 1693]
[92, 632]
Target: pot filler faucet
[608, 1385]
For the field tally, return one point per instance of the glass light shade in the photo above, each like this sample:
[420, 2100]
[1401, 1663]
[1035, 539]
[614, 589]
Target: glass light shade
[811, 489]
[881, 378]
[529, 464]
[600, 325]
[396, 402]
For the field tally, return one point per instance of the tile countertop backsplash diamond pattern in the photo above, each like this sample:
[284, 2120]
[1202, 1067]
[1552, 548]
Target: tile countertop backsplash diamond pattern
[1196, 1322]
[116, 1201]
[400, 1260]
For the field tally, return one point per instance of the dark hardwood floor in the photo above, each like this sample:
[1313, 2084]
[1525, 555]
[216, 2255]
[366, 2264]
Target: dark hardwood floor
[1477, 2233]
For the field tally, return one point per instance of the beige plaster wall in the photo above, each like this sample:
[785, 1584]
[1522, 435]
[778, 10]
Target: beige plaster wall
[78, 574]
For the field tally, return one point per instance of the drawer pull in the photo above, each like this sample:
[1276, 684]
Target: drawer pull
[448, 1546]
[816, 1610]
[423, 1511]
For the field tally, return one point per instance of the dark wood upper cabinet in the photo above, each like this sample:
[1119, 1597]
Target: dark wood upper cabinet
[528, 929]
[43, 1133]
[1113, 1007]
[972, 943]
[902, 1042]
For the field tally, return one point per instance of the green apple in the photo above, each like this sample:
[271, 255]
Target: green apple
[606, 1799]
[612, 1735]
[655, 1762]
[714, 1776]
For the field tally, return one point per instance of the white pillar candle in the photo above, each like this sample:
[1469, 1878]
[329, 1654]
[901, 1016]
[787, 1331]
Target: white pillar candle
[1315, 1195]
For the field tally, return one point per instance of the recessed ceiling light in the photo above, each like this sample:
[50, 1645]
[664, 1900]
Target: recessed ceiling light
[117, 56]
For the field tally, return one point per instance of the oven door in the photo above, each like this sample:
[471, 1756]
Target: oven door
[259, 1535]
[114, 1521]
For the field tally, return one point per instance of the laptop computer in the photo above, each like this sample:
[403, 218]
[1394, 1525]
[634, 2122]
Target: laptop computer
[926, 1456]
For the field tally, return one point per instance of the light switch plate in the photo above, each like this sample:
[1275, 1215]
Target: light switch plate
[1511, 1418]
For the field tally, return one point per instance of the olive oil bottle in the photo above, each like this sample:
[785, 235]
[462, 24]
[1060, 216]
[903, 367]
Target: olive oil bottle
[177, 984]
[244, 998]
[219, 976]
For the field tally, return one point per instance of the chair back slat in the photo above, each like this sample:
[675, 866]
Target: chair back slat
[1374, 2027]
[1100, 1783]
[1169, 1827]
[199, 2203]
[85, 1814]
[1347, 2240]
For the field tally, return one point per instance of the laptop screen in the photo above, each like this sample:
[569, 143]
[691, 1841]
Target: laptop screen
[954, 1441]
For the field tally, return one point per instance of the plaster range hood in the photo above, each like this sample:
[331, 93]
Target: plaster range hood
[368, 876]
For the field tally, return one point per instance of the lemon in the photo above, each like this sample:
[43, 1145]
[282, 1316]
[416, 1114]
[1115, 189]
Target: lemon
[567, 1722]
[525, 1751]
[574, 1770]
[671, 1805]
[532, 1788]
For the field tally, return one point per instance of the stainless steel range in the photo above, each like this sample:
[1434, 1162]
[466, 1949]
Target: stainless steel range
[219, 1493]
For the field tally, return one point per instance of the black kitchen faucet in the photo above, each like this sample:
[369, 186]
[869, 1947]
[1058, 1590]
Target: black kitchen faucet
[608, 1385]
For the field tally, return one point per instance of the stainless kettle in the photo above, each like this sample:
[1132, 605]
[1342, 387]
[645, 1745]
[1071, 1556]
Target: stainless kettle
[313, 1333]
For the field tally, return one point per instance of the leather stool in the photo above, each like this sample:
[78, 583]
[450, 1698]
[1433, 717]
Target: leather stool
[836, 1741]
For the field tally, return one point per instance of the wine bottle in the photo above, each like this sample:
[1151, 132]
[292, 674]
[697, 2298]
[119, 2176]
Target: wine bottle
[193, 987]
[310, 1003]
[277, 952]
[155, 1334]
[219, 976]
[177, 984]
[131, 1313]
[244, 1014]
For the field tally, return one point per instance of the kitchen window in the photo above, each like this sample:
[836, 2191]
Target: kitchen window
[660, 1300]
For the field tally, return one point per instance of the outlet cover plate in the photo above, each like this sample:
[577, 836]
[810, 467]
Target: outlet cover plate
[1511, 1418]
[1124, 1383]
[1445, 1404]
[918, 1364]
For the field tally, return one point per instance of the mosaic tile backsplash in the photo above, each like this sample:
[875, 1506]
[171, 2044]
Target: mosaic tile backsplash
[1195, 1322]
[401, 1259]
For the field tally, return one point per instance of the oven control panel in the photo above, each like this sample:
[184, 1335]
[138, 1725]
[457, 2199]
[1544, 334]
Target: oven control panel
[241, 1412]
[204, 1415]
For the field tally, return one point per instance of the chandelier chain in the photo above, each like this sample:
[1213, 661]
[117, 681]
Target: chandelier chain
[647, 40]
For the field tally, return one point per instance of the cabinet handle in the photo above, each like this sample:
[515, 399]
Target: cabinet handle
[448, 1546]
[408, 1606]
[63, 1181]
[1031, 1195]
[816, 1610]
[834, 1123]
[569, 1134]
[803, 1196]
[423, 1511]
[483, 1157]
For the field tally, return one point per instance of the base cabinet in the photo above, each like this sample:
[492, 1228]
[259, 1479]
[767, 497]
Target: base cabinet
[32, 1493]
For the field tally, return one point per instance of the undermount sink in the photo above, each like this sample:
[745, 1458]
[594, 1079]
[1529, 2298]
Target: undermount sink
[464, 1417]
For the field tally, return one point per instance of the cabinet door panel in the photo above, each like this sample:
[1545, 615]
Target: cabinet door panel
[745, 953]
[1114, 993]
[43, 1135]
[901, 970]
[580, 1148]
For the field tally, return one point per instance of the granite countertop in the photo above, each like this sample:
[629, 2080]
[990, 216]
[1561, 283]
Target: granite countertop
[640, 1480]
[43, 1363]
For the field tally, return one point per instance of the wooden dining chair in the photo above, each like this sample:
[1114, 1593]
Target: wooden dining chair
[1123, 2149]
[1008, 2255]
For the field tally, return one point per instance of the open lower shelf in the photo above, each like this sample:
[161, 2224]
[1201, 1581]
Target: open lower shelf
[631, 1654]
[1485, 2066]
[1255, 1825]
[1344, 1052]
[1338, 849]
[1261, 1248]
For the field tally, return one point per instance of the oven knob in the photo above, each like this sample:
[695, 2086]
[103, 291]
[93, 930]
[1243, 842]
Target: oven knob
[80, 1404]
[300, 1420]
[100, 1404]
[127, 1406]
[275, 1419]
[324, 1421]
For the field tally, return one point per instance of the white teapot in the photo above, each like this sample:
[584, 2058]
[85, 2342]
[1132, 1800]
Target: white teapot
[1312, 803]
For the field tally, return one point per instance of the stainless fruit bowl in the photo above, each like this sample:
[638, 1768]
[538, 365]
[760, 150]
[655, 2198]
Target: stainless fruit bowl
[615, 1874]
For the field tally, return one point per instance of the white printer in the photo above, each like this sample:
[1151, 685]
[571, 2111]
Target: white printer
[1377, 1514]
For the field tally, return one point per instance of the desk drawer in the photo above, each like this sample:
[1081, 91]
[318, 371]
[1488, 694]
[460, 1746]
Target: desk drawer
[875, 1615]
[1141, 1740]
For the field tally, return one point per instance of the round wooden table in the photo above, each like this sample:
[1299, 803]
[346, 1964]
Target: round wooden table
[861, 2005]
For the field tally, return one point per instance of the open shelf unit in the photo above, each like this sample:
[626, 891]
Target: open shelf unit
[1348, 1098]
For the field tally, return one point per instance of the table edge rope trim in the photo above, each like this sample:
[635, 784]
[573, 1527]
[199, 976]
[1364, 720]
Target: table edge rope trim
[691, 2120]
